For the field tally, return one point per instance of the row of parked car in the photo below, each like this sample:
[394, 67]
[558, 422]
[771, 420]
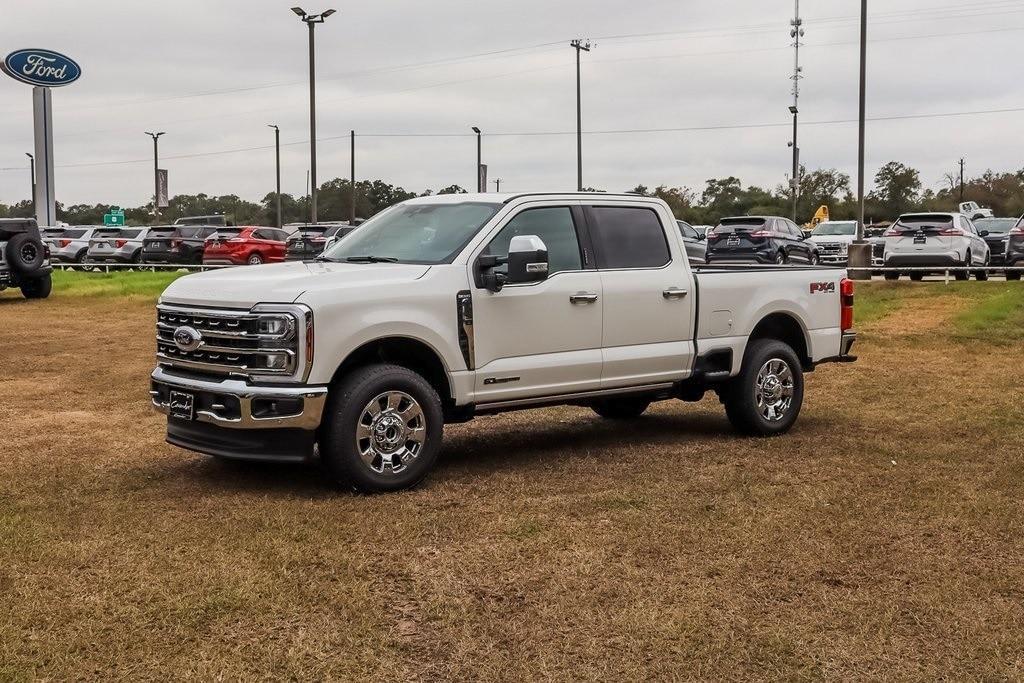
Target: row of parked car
[192, 244]
[919, 240]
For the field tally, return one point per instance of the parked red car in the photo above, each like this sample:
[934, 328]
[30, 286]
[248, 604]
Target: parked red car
[245, 245]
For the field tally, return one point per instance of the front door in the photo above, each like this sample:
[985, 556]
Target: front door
[543, 338]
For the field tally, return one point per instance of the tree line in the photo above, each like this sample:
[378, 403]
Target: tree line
[897, 189]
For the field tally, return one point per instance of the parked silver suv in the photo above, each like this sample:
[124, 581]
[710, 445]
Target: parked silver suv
[116, 245]
[72, 245]
[942, 240]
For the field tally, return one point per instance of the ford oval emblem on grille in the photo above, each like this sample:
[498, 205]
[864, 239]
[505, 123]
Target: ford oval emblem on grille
[187, 338]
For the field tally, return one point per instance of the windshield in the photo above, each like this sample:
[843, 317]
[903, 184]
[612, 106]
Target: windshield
[836, 228]
[995, 225]
[415, 233]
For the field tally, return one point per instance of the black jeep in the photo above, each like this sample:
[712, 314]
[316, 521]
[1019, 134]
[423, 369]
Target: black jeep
[24, 259]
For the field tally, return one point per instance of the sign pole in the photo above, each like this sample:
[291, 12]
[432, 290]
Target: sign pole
[42, 111]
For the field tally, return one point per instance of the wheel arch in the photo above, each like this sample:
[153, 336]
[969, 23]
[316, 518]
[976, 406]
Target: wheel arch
[407, 352]
[786, 328]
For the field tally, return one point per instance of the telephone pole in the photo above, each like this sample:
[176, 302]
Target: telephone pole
[578, 44]
[156, 172]
[32, 173]
[497, 184]
[961, 181]
[796, 32]
[352, 179]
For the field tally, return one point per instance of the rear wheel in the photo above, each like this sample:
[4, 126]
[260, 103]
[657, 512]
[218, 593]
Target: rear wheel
[1013, 275]
[917, 277]
[765, 398]
[39, 288]
[964, 274]
[892, 276]
[382, 429]
[254, 259]
[621, 408]
[982, 275]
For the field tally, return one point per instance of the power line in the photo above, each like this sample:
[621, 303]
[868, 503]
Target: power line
[617, 131]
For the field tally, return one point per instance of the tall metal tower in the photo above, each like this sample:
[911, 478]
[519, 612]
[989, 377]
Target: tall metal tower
[796, 32]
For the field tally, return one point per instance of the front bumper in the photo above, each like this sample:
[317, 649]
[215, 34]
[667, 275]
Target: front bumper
[234, 419]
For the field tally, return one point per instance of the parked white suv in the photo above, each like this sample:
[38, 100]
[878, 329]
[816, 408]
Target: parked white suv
[974, 212]
[446, 307]
[943, 240]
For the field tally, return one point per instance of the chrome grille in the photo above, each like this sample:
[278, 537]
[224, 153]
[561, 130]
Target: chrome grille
[830, 248]
[230, 342]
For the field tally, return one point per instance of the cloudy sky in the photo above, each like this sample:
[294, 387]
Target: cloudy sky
[411, 77]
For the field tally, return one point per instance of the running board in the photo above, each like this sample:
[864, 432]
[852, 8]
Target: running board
[538, 401]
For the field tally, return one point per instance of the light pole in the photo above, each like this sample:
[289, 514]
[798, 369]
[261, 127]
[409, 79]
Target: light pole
[156, 172]
[479, 160]
[497, 184]
[32, 173]
[578, 45]
[795, 178]
[860, 251]
[277, 167]
[311, 20]
[352, 179]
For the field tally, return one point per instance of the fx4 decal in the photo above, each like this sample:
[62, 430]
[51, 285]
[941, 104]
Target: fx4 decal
[823, 288]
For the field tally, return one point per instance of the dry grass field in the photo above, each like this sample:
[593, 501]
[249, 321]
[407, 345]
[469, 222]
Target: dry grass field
[881, 539]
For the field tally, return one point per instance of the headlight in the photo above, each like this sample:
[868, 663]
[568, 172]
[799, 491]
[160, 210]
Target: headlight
[285, 342]
[276, 325]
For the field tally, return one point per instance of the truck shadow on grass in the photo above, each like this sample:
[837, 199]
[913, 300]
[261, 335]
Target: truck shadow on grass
[524, 442]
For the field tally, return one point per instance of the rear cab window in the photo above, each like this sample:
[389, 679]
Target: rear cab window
[729, 226]
[627, 237]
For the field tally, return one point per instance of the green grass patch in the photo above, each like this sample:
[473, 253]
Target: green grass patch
[119, 283]
[998, 318]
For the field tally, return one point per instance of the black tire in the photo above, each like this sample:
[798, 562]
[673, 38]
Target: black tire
[780, 258]
[964, 274]
[1013, 275]
[25, 254]
[814, 260]
[917, 277]
[38, 288]
[350, 399]
[740, 396]
[891, 276]
[981, 275]
[621, 408]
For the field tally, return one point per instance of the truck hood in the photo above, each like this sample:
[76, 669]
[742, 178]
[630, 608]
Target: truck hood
[245, 286]
[841, 239]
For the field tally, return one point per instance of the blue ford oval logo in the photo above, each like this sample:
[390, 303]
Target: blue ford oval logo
[41, 67]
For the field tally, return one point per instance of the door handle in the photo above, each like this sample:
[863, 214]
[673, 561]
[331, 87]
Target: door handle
[582, 298]
[674, 293]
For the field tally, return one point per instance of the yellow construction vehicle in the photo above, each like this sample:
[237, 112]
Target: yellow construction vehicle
[820, 216]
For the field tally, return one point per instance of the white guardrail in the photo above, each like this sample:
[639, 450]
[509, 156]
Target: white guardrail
[946, 271]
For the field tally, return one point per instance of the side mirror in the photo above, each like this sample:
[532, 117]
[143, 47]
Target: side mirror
[701, 236]
[527, 259]
[983, 233]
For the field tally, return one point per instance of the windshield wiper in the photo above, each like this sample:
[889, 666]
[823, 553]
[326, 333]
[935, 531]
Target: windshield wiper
[325, 258]
[371, 259]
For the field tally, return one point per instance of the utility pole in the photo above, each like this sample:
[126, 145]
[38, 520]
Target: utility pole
[277, 167]
[497, 184]
[352, 180]
[311, 20]
[961, 181]
[579, 45]
[860, 251]
[796, 32]
[479, 161]
[32, 174]
[156, 172]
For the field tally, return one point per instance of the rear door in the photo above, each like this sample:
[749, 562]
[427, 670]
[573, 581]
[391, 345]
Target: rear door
[979, 247]
[647, 332]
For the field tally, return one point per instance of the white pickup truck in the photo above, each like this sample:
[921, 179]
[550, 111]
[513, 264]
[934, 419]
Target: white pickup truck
[442, 308]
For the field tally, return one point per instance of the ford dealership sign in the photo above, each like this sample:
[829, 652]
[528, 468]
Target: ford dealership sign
[41, 67]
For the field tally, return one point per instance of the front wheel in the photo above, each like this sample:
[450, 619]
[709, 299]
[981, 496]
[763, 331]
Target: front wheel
[892, 276]
[765, 398]
[622, 408]
[1013, 275]
[780, 259]
[917, 277]
[814, 260]
[39, 288]
[382, 429]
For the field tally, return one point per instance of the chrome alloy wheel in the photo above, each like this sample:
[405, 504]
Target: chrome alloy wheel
[391, 432]
[774, 389]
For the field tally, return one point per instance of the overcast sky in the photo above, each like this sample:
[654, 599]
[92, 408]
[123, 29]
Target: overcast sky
[214, 73]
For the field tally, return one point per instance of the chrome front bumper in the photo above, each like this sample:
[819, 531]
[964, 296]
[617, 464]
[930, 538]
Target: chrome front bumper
[238, 405]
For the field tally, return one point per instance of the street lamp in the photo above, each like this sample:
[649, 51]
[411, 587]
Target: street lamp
[32, 172]
[156, 171]
[479, 162]
[311, 20]
[578, 44]
[277, 167]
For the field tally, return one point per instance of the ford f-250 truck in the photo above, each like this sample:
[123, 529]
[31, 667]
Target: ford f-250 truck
[442, 308]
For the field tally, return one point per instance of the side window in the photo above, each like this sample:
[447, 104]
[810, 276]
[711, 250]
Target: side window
[627, 237]
[687, 232]
[554, 225]
[278, 235]
[793, 228]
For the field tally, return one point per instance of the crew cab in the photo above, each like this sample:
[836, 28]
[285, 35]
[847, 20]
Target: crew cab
[446, 307]
[245, 245]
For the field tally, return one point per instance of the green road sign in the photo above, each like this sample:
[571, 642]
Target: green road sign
[114, 218]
